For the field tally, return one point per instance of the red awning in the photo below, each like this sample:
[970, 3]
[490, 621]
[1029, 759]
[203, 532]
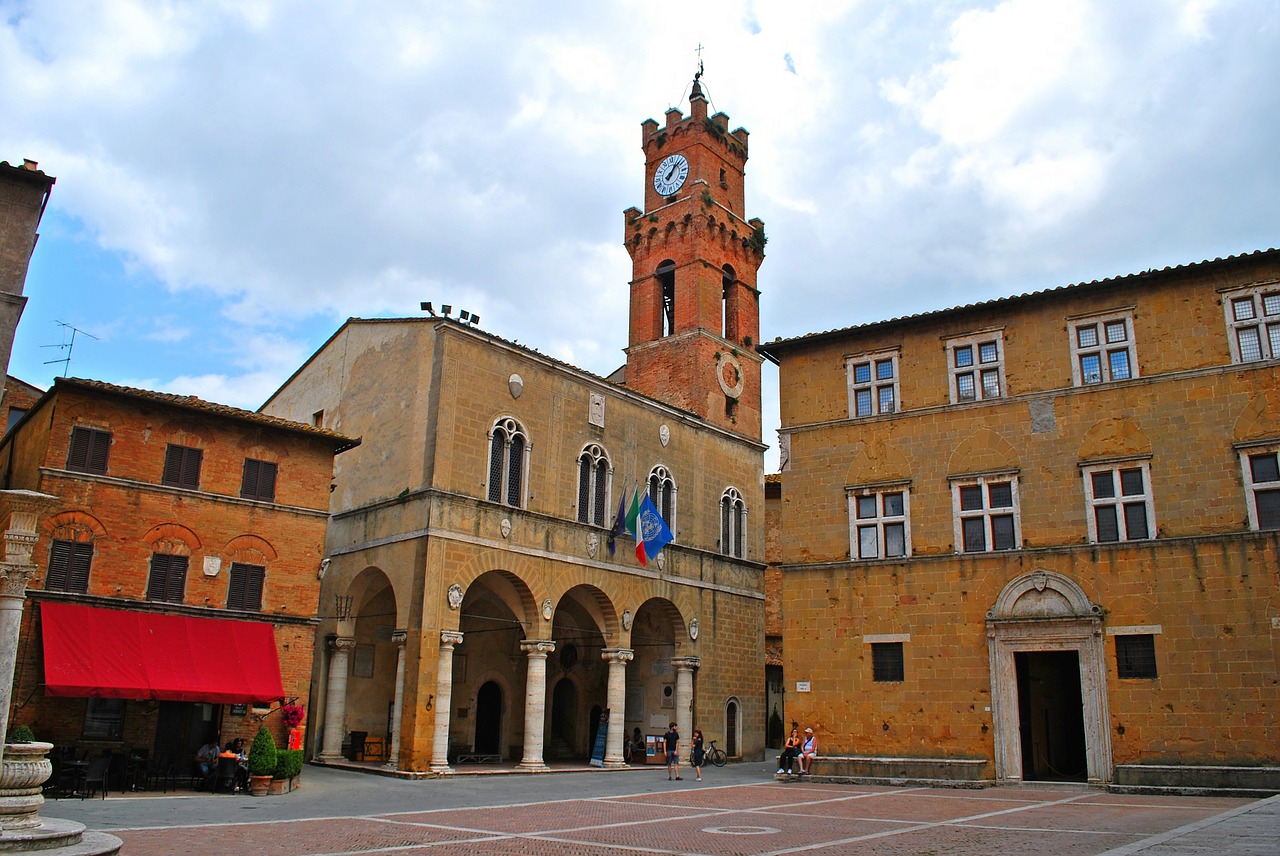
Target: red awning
[114, 653]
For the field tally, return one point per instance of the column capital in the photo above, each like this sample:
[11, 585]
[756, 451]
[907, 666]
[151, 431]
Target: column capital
[342, 643]
[537, 647]
[449, 638]
[617, 655]
[399, 637]
[686, 664]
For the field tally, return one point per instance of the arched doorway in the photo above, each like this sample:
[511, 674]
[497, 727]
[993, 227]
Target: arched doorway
[489, 667]
[489, 719]
[1044, 642]
[565, 742]
[732, 727]
[371, 680]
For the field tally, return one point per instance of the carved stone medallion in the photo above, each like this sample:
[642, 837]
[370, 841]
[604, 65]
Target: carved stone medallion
[593, 544]
[455, 596]
[694, 629]
[506, 528]
[626, 619]
[515, 383]
[547, 609]
[664, 435]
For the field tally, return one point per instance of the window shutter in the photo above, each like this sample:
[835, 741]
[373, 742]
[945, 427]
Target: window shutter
[267, 482]
[235, 592]
[99, 446]
[249, 480]
[253, 587]
[158, 576]
[191, 467]
[59, 565]
[81, 560]
[177, 582]
[172, 465]
[78, 455]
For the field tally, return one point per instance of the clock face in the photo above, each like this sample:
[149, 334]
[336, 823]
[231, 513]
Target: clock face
[670, 174]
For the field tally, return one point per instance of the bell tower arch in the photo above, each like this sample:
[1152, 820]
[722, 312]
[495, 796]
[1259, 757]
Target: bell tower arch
[695, 308]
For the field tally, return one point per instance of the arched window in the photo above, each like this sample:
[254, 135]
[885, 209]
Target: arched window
[662, 490]
[733, 523]
[593, 485]
[728, 321]
[507, 449]
[666, 274]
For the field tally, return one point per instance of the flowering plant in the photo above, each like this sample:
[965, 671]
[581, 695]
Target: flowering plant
[292, 715]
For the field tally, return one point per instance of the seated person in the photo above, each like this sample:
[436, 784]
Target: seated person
[808, 751]
[790, 751]
[207, 760]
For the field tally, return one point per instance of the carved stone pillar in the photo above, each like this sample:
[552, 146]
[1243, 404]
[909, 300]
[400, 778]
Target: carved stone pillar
[23, 509]
[399, 637]
[535, 701]
[444, 701]
[335, 698]
[685, 667]
[617, 658]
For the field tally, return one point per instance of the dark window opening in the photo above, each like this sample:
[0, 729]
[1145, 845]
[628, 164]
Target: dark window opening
[887, 662]
[1136, 656]
[167, 580]
[728, 323]
[88, 452]
[182, 466]
[667, 287]
[104, 719]
[259, 481]
[69, 563]
[245, 590]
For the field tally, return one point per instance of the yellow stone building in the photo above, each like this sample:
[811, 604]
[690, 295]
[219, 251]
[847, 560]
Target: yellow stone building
[1035, 538]
[476, 609]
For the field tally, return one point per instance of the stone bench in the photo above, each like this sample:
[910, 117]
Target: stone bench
[953, 772]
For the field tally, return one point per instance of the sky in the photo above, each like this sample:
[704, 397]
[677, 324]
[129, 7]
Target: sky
[235, 179]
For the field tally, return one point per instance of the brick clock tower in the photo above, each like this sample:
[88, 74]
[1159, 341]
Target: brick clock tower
[695, 310]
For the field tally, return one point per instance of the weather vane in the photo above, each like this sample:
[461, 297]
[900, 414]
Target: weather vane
[698, 50]
[69, 345]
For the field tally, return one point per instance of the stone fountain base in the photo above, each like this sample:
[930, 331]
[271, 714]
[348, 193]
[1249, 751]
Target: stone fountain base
[23, 770]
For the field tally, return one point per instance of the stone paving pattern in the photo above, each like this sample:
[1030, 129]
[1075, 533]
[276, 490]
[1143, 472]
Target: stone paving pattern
[761, 818]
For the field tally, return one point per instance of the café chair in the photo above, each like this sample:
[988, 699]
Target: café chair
[95, 777]
[226, 775]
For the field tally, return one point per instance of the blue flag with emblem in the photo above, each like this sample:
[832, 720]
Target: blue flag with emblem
[651, 531]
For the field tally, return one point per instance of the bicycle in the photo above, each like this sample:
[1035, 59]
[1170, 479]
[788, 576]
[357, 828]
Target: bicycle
[716, 755]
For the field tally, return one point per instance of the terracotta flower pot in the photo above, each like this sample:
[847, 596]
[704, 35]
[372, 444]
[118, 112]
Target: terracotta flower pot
[259, 785]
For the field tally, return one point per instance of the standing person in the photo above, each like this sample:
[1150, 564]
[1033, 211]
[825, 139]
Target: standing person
[790, 751]
[671, 742]
[697, 754]
[808, 751]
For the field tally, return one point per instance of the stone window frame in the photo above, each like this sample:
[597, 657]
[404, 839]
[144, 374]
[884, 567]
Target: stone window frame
[888, 657]
[664, 499]
[1103, 347]
[595, 479]
[1253, 487]
[873, 385]
[987, 513]
[1263, 320]
[878, 521]
[1138, 661]
[978, 369]
[1120, 500]
[733, 523]
[508, 458]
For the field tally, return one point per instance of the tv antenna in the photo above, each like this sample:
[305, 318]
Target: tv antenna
[69, 344]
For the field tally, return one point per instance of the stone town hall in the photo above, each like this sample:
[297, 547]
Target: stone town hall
[481, 609]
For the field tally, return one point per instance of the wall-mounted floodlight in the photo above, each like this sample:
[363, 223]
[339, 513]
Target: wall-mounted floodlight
[426, 307]
[446, 308]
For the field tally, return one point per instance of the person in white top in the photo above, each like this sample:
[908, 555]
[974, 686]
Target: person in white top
[808, 751]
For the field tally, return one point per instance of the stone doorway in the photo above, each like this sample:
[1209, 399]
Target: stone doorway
[489, 719]
[1037, 613]
[1050, 716]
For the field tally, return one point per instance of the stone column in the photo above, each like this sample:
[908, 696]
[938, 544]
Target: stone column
[444, 701]
[535, 701]
[685, 667]
[23, 508]
[617, 658]
[399, 637]
[335, 699]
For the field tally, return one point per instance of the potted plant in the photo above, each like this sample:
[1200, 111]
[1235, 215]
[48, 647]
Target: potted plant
[262, 762]
[288, 768]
